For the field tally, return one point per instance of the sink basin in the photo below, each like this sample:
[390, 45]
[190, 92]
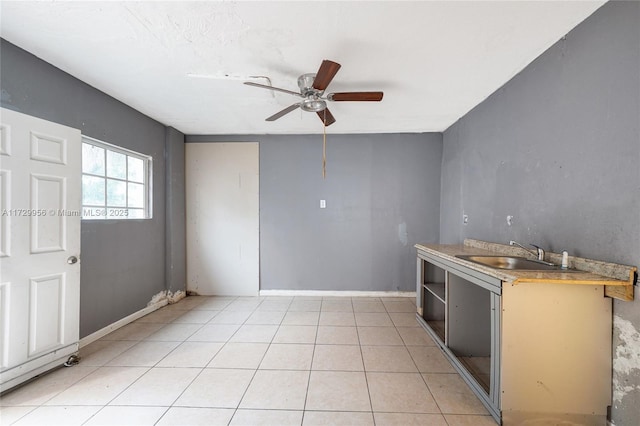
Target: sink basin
[509, 262]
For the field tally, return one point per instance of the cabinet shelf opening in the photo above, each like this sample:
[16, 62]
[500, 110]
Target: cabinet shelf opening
[437, 289]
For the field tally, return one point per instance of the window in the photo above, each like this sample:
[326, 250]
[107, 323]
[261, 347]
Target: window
[115, 182]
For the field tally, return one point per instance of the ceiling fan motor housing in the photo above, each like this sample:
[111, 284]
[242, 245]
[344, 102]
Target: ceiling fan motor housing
[305, 83]
[312, 101]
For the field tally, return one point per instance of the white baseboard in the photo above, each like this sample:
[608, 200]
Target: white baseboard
[338, 293]
[121, 323]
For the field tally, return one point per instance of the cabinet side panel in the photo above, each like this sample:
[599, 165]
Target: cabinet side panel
[556, 349]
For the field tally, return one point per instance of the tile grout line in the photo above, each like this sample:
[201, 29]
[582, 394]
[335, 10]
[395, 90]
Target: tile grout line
[422, 376]
[148, 370]
[364, 368]
[197, 375]
[235, 411]
[315, 342]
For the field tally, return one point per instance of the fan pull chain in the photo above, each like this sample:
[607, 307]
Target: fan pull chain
[324, 145]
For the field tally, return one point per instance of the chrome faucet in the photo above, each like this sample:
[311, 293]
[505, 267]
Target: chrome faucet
[539, 250]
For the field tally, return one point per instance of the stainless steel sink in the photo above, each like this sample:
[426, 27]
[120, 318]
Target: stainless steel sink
[510, 262]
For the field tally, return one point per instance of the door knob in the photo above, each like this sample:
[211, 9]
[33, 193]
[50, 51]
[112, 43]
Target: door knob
[72, 259]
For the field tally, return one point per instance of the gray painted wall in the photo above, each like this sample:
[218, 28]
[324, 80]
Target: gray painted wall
[558, 147]
[382, 194]
[122, 261]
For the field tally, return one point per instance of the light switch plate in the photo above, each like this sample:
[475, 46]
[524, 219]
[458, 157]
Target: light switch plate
[323, 204]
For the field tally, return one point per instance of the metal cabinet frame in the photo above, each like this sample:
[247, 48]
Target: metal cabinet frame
[490, 400]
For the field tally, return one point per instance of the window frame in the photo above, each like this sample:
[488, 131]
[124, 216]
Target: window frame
[147, 161]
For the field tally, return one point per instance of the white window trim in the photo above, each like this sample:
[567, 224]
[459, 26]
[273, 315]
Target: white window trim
[148, 176]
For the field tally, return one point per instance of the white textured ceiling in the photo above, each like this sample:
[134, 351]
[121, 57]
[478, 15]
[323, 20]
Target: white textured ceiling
[434, 60]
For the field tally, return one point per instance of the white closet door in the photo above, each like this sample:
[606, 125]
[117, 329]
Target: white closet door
[222, 218]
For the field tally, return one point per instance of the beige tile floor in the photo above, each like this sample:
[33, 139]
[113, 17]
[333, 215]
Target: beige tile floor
[257, 361]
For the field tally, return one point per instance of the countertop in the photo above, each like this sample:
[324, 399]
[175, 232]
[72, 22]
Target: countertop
[618, 279]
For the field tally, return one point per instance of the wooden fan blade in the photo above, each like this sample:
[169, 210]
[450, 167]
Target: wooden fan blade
[277, 89]
[285, 111]
[356, 96]
[329, 117]
[325, 74]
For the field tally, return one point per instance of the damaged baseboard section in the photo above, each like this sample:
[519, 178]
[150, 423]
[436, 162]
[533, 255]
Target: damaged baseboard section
[164, 298]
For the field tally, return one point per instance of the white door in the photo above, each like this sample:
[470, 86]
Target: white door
[222, 218]
[40, 196]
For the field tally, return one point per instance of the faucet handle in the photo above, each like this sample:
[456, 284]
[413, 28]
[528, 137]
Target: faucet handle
[540, 251]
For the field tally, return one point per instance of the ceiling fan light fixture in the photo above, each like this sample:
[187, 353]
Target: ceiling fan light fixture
[313, 105]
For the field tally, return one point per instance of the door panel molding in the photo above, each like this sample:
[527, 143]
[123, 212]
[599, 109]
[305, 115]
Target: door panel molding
[46, 307]
[5, 219]
[48, 230]
[49, 149]
[5, 140]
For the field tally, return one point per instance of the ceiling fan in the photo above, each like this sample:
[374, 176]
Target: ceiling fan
[312, 87]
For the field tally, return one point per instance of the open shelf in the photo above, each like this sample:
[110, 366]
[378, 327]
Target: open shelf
[432, 295]
[437, 289]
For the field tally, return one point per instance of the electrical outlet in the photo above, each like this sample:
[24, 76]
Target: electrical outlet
[465, 219]
[323, 204]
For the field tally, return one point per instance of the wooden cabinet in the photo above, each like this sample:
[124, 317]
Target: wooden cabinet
[529, 351]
